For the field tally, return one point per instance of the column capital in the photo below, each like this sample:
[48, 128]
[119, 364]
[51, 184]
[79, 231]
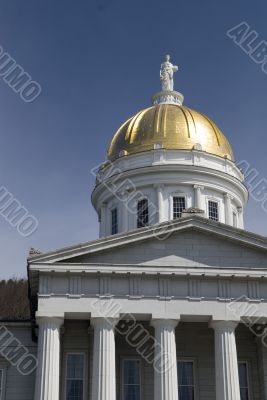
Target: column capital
[198, 187]
[223, 325]
[58, 321]
[164, 322]
[159, 186]
[103, 322]
[228, 196]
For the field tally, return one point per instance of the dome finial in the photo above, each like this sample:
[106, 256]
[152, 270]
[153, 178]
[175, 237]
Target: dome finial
[167, 70]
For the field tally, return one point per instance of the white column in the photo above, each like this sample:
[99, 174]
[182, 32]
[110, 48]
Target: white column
[48, 370]
[165, 362]
[160, 197]
[125, 211]
[197, 190]
[228, 210]
[226, 366]
[240, 218]
[103, 220]
[104, 367]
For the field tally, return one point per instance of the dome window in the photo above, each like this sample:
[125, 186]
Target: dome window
[142, 213]
[213, 210]
[114, 221]
[178, 206]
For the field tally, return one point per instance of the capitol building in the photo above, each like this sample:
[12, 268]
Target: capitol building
[170, 302]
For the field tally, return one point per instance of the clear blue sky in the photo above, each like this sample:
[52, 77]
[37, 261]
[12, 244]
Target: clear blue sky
[98, 63]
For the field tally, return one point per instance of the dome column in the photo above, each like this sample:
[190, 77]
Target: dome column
[103, 220]
[228, 211]
[240, 218]
[197, 191]
[124, 204]
[160, 198]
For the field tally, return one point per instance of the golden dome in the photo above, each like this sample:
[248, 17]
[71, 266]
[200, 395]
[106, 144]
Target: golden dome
[171, 127]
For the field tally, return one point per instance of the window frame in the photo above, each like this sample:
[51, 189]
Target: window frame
[195, 377]
[130, 358]
[115, 208]
[179, 195]
[241, 361]
[84, 354]
[137, 219]
[213, 200]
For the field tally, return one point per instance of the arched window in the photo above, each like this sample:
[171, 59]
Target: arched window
[142, 213]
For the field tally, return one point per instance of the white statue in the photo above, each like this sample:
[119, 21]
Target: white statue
[167, 70]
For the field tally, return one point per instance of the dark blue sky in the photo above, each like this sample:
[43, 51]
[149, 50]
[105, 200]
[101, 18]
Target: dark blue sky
[98, 63]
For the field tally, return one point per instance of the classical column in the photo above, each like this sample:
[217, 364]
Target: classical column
[226, 366]
[125, 211]
[104, 368]
[240, 219]
[228, 210]
[197, 190]
[103, 220]
[165, 362]
[160, 197]
[48, 370]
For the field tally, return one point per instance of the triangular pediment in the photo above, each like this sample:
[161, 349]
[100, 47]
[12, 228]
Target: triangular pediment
[190, 242]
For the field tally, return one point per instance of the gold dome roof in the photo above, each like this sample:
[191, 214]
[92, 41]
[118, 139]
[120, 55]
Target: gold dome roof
[173, 127]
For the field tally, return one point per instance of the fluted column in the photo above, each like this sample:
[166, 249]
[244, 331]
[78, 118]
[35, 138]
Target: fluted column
[104, 368]
[48, 370]
[165, 362]
[226, 366]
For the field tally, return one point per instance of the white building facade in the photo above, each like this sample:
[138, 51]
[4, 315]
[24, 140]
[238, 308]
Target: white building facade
[170, 302]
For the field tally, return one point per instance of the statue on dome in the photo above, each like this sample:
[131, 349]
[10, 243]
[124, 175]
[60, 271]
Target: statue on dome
[167, 70]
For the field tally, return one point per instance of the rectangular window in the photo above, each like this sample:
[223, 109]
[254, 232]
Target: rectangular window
[1, 384]
[186, 385]
[243, 380]
[178, 206]
[131, 382]
[75, 377]
[142, 213]
[114, 221]
[213, 211]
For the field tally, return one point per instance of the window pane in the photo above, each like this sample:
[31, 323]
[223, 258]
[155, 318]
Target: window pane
[142, 213]
[243, 394]
[75, 377]
[186, 393]
[243, 380]
[74, 390]
[178, 206]
[131, 372]
[185, 373]
[114, 221]
[213, 211]
[131, 380]
[132, 392]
